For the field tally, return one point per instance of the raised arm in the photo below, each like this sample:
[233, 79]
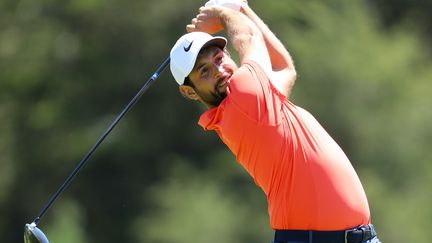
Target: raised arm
[284, 73]
[245, 36]
[281, 67]
[280, 58]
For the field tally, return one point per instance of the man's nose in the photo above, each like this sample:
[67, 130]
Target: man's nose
[219, 69]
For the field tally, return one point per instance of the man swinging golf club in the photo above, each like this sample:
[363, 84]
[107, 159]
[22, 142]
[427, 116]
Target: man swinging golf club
[313, 193]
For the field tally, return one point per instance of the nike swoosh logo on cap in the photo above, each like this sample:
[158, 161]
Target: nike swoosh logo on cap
[186, 49]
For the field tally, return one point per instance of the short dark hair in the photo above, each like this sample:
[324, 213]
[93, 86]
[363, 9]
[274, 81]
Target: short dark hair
[188, 82]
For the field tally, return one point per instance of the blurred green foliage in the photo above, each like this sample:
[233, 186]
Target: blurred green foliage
[68, 67]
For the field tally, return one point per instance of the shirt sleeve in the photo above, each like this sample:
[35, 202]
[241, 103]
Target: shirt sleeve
[252, 92]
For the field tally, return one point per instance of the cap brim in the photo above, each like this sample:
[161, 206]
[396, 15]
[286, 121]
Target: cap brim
[218, 41]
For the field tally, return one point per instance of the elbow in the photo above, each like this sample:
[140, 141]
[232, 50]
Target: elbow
[290, 81]
[284, 81]
[292, 77]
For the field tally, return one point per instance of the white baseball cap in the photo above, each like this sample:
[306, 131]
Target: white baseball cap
[185, 51]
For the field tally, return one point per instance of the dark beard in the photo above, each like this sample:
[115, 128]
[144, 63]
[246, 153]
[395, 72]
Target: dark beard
[218, 97]
[214, 98]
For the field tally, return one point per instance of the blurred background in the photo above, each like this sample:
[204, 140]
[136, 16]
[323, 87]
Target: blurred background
[67, 68]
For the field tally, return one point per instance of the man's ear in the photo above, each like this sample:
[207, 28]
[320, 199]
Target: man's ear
[188, 92]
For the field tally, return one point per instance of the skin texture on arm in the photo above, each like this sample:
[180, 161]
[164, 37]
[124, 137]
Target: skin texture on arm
[245, 36]
[283, 70]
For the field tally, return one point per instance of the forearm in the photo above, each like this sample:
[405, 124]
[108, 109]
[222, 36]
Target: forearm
[244, 35]
[279, 56]
[239, 28]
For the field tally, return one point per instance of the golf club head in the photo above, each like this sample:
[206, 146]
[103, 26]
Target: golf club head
[33, 234]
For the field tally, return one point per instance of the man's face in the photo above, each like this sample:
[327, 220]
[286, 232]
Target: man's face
[209, 77]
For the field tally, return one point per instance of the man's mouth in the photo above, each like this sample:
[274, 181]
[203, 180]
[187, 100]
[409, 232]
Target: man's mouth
[223, 81]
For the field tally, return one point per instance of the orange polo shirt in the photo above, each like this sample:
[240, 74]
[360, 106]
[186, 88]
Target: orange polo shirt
[309, 182]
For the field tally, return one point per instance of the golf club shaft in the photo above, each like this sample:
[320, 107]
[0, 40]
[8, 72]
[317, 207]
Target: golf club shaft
[99, 141]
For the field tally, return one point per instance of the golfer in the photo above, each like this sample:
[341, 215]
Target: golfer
[313, 193]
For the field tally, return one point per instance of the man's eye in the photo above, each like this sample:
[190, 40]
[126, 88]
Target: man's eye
[219, 60]
[204, 71]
